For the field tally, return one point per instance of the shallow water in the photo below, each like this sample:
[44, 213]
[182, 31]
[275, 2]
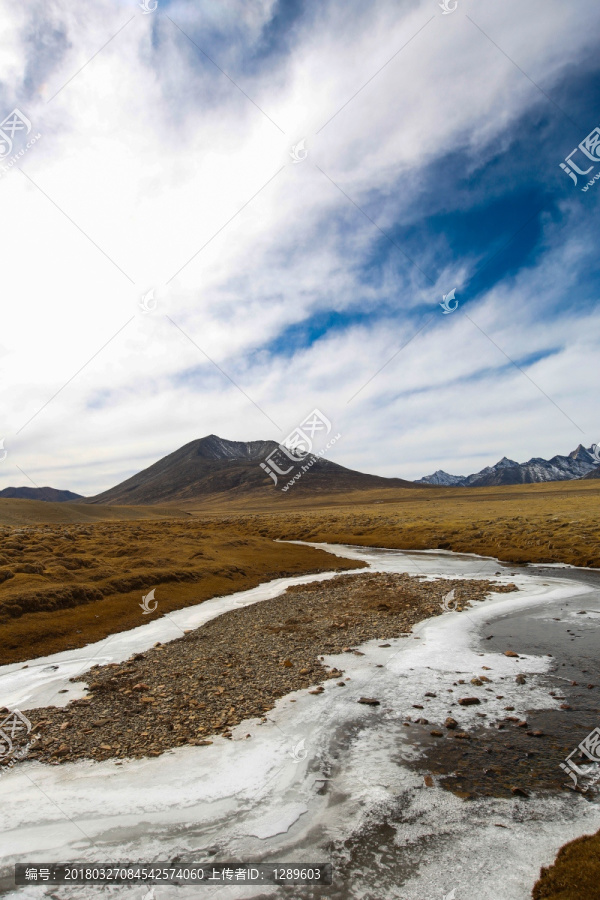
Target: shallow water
[324, 778]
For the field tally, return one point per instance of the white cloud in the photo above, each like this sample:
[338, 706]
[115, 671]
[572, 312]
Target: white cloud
[150, 150]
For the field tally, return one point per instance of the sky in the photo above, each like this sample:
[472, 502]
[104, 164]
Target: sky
[219, 216]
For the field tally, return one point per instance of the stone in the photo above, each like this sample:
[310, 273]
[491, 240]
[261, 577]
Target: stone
[469, 701]
[519, 792]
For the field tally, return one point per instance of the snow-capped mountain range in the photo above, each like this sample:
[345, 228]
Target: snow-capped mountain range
[578, 464]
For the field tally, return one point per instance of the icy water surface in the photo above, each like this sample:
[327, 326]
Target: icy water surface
[326, 778]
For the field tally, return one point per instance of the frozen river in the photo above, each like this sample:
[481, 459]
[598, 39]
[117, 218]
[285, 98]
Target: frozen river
[324, 779]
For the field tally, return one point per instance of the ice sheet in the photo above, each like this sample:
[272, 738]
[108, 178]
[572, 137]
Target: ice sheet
[262, 796]
[38, 682]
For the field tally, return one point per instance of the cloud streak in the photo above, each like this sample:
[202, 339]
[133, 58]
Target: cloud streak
[432, 164]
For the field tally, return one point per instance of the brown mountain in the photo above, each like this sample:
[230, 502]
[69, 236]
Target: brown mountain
[595, 473]
[51, 495]
[215, 466]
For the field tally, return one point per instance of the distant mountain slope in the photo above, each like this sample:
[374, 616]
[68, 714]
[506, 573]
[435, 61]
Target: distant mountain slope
[51, 495]
[595, 473]
[441, 477]
[577, 464]
[213, 465]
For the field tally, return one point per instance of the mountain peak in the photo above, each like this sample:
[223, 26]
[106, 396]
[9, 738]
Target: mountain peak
[214, 447]
[507, 471]
[213, 466]
[582, 452]
[441, 477]
[505, 461]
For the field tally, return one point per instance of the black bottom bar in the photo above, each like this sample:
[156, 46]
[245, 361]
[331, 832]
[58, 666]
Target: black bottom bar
[167, 873]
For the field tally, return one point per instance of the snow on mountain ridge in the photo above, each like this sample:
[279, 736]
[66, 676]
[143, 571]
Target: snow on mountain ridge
[579, 463]
[441, 477]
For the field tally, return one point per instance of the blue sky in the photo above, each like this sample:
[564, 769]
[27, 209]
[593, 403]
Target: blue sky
[430, 161]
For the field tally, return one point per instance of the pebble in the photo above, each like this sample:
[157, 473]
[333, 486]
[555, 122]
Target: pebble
[237, 666]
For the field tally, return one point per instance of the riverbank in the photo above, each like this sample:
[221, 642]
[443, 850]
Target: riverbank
[327, 777]
[238, 665]
[64, 587]
[554, 522]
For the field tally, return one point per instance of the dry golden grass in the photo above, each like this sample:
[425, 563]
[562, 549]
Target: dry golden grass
[219, 546]
[80, 577]
[34, 512]
[64, 587]
[556, 522]
[575, 874]
[236, 666]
